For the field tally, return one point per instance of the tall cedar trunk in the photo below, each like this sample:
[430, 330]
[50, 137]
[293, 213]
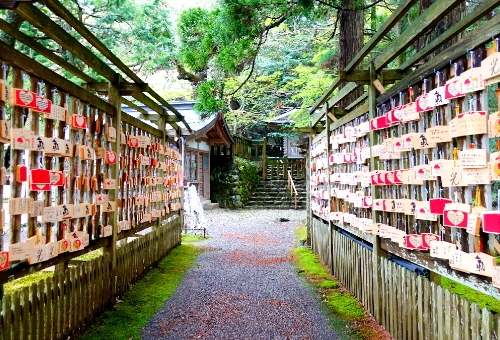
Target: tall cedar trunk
[448, 21]
[351, 31]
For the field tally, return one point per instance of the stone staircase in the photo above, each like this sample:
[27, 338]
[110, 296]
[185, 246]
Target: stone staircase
[273, 194]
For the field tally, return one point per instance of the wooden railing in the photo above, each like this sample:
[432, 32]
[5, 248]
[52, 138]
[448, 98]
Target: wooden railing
[278, 168]
[293, 190]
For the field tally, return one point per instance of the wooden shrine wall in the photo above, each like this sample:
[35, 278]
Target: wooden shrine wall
[412, 176]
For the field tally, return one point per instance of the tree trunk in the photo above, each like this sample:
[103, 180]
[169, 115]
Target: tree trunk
[351, 33]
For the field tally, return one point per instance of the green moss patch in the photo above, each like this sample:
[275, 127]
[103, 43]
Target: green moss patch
[346, 315]
[187, 238]
[483, 300]
[145, 298]
[26, 281]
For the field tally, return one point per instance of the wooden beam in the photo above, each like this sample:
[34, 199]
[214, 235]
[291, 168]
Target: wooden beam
[317, 117]
[348, 88]
[152, 118]
[57, 8]
[170, 108]
[126, 89]
[351, 115]
[140, 124]
[357, 101]
[215, 141]
[153, 106]
[419, 27]
[452, 32]
[135, 107]
[338, 112]
[20, 60]
[381, 33]
[473, 40]
[38, 19]
[325, 96]
[36, 46]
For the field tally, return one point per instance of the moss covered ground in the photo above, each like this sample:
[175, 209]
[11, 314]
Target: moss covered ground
[145, 298]
[346, 314]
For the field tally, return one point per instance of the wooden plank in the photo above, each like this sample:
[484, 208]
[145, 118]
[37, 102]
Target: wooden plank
[448, 315]
[480, 11]
[6, 317]
[33, 301]
[16, 325]
[426, 322]
[49, 318]
[381, 33]
[475, 321]
[40, 310]
[456, 315]
[358, 101]
[440, 316]
[52, 30]
[418, 28]
[404, 301]
[486, 323]
[170, 108]
[36, 46]
[465, 308]
[26, 317]
[399, 301]
[420, 312]
[435, 309]
[476, 38]
[414, 306]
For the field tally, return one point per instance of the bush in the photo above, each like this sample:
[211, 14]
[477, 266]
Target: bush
[232, 183]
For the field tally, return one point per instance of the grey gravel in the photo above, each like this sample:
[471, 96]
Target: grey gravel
[246, 287]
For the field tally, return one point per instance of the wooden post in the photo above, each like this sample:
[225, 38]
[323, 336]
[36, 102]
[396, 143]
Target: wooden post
[377, 249]
[264, 159]
[16, 156]
[308, 189]
[285, 166]
[115, 100]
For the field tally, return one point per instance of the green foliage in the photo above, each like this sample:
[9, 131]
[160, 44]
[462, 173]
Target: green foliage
[145, 298]
[224, 188]
[470, 294]
[208, 100]
[249, 178]
[196, 38]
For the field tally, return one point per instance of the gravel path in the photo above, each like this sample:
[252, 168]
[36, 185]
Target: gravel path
[246, 288]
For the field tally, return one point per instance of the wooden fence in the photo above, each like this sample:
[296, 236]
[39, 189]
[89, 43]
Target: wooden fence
[99, 154]
[66, 304]
[359, 217]
[410, 306]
